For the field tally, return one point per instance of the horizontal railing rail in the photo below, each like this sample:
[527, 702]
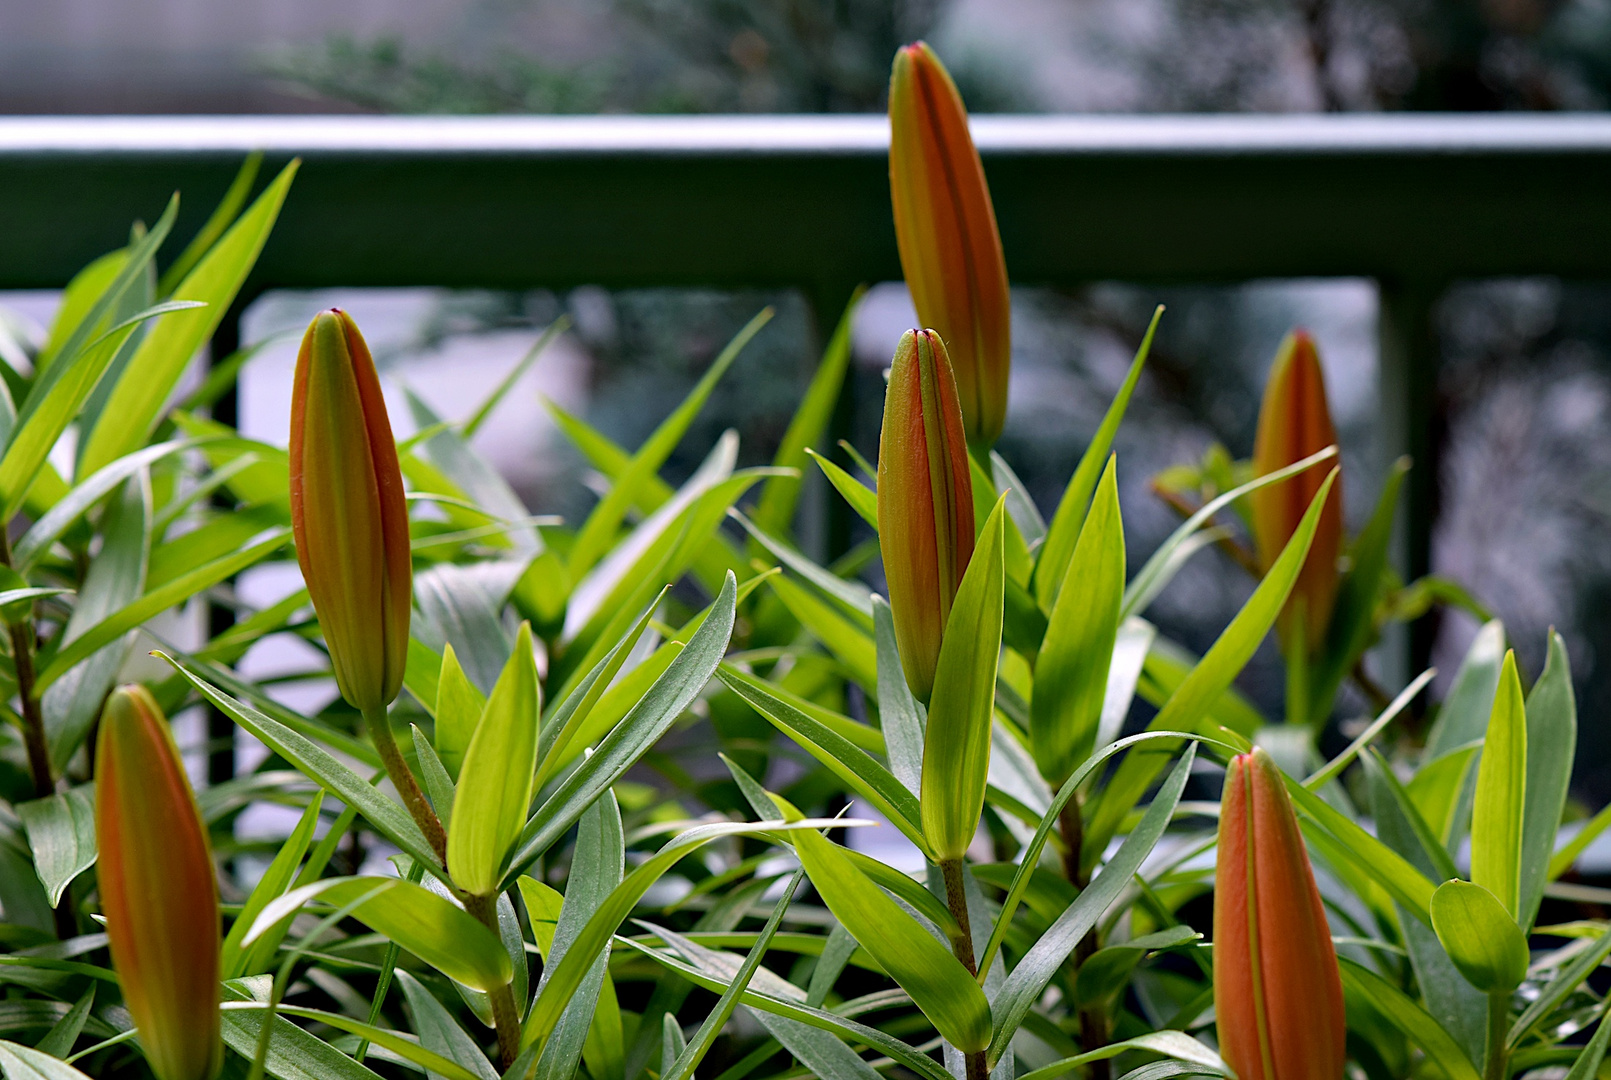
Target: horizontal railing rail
[803, 201]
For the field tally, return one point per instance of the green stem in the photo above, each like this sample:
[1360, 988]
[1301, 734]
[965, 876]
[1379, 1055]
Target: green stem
[380, 732]
[505, 1017]
[956, 898]
[1094, 1028]
[1498, 1061]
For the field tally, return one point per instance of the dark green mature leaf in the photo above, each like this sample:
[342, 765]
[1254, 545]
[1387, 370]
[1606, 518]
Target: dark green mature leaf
[851, 764]
[781, 494]
[956, 741]
[136, 402]
[59, 1040]
[856, 598]
[434, 929]
[156, 601]
[1551, 744]
[18, 1062]
[1568, 979]
[1045, 958]
[61, 834]
[850, 642]
[1404, 1014]
[399, 1044]
[389, 819]
[656, 711]
[1496, 815]
[1064, 531]
[441, 1034]
[900, 715]
[293, 1054]
[906, 1055]
[1071, 676]
[1199, 691]
[1588, 1062]
[1466, 707]
[1402, 881]
[561, 980]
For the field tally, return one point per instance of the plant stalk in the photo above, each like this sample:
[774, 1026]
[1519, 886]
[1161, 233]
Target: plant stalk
[505, 1017]
[956, 898]
[380, 732]
[1094, 1029]
[1497, 1063]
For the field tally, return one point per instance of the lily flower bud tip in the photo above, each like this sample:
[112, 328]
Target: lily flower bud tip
[1295, 422]
[348, 511]
[158, 890]
[945, 227]
[1277, 992]
[925, 501]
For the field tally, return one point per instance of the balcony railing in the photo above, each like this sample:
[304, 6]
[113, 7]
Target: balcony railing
[1413, 202]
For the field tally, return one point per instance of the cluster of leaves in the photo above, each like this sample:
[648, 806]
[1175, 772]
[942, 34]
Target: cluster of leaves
[705, 921]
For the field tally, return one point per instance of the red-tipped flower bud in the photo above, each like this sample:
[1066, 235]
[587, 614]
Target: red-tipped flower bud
[1294, 423]
[348, 512]
[158, 892]
[925, 501]
[1277, 994]
[946, 229]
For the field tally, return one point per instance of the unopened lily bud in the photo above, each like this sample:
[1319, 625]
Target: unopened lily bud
[158, 892]
[1277, 993]
[348, 513]
[925, 501]
[946, 229]
[1294, 423]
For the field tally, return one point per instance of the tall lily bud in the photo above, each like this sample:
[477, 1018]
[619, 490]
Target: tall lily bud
[1294, 422]
[925, 501]
[1277, 994]
[347, 510]
[946, 229]
[158, 891]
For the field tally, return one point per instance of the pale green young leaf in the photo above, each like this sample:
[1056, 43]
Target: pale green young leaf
[1496, 816]
[63, 1034]
[494, 790]
[1590, 831]
[856, 598]
[597, 534]
[458, 711]
[439, 786]
[222, 217]
[1071, 675]
[1045, 958]
[86, 287]
[775, 511]
[1064, 531]
[61, 835]
[18, 1062]
[1374, 859]
[1480, 936]
[1551, 744]
[862, 499]
[1440, 790]
[135, 405]
[1200, 689]
[507, 383]
[956, 742]
[434, 929]
[640, 729]
[276, 881]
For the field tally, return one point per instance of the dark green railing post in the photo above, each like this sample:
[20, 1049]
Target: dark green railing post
[1410, 425]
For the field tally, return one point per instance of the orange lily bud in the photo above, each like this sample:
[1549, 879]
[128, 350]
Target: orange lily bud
[1294, 423]
[925, 501]
[158, 891]
[946, 229]
[347, 511]
[1277, 995]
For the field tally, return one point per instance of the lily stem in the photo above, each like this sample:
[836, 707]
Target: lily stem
[1498, 1061]
[505, 1018]
[956, 898]
[380, 732]
[1094, 1028]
